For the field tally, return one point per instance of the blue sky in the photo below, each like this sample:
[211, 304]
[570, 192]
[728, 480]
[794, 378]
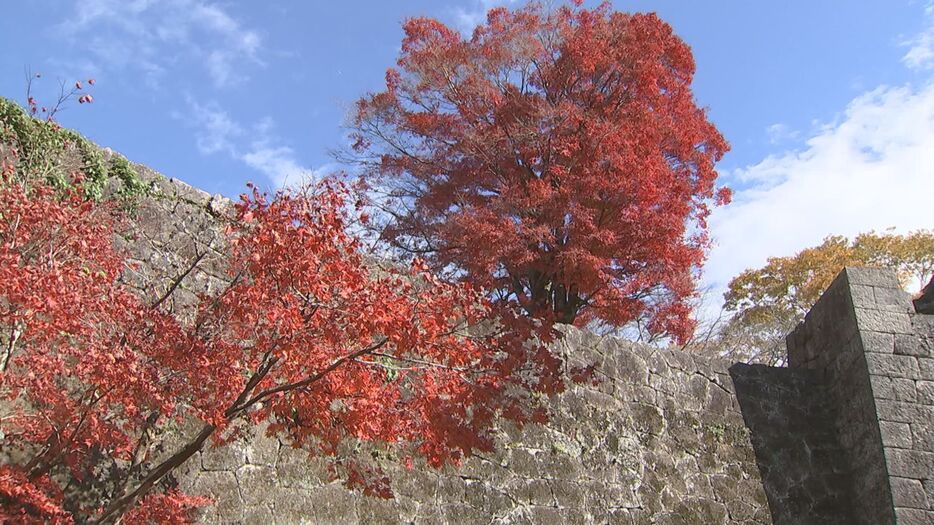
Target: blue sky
[829, 106]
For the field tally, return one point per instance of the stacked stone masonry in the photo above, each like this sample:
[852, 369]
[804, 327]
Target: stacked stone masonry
[875, 355]
[659, 440]
[844, 435]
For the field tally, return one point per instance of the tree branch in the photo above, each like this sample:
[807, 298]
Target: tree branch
[178, 280]
[307, 381]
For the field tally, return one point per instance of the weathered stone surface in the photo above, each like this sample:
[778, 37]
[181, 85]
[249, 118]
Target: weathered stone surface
[878, 342]
[909, 493]
[909, 463]
[912, 344]
[914, 516]
[878, 393]
[601, 455]
[896, 435]
[893, 366]
[803, 468]
[883, 320]
[843, 436]
[894, 388]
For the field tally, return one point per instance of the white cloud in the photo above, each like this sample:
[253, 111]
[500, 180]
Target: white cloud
[217, 132]
[779, 133]
[279, 162]
[920, 55]
[219, 67]
[280, 165]
[872, 169]
[154, 35]
[468, 18]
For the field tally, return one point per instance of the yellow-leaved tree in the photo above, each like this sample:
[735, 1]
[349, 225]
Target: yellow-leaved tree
[767, 303]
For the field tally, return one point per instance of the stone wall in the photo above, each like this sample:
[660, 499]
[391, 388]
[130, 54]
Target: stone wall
[660, 439]
[171, 229]
[841, 436]
[873, 353]
[790, 418]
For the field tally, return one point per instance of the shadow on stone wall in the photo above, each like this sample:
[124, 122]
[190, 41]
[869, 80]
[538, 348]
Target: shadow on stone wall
[803, 470]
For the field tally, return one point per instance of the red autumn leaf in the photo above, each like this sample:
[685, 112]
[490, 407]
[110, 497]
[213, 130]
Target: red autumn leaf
[557, 157]
[303, 338]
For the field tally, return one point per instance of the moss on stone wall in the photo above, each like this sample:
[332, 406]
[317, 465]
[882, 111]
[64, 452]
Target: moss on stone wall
[43, 150]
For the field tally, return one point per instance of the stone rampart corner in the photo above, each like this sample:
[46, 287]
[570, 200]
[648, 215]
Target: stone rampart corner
[873, 354]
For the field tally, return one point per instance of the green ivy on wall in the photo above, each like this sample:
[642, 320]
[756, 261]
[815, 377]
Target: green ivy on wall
[44, 150]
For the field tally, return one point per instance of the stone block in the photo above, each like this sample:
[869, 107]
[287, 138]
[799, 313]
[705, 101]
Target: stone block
[896, 435]
[375, 511]
[428, 514]
[226, 457]
[545, 515]
[862, 295]
[701, 510]
[901, 412]
[908, 493]
[718, 402]
[923, 325]
[911, 344]
[567, 493]
[914, 517]
[698, 386]
[259, 514]
[255, 483]
[262, 450]
[925, 391]
[905, 366]
[880, 277]
[886, 296]
[926, 368]
[846, 365]
[913, 464]
[334, 504]
[295, 468]
[895, 388]
[631, 368]
[878, 342]
[922, 433]
[222, 487]
[451, 489]
[883, 321]
[295, 506]
[538, 492]
[460, 513]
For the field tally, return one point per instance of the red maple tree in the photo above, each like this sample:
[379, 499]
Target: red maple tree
[306, 338]
[555, 157]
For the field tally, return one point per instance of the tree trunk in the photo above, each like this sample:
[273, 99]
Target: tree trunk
[120, 505]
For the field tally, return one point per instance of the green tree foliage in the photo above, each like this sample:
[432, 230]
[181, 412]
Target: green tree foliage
[768, 302]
